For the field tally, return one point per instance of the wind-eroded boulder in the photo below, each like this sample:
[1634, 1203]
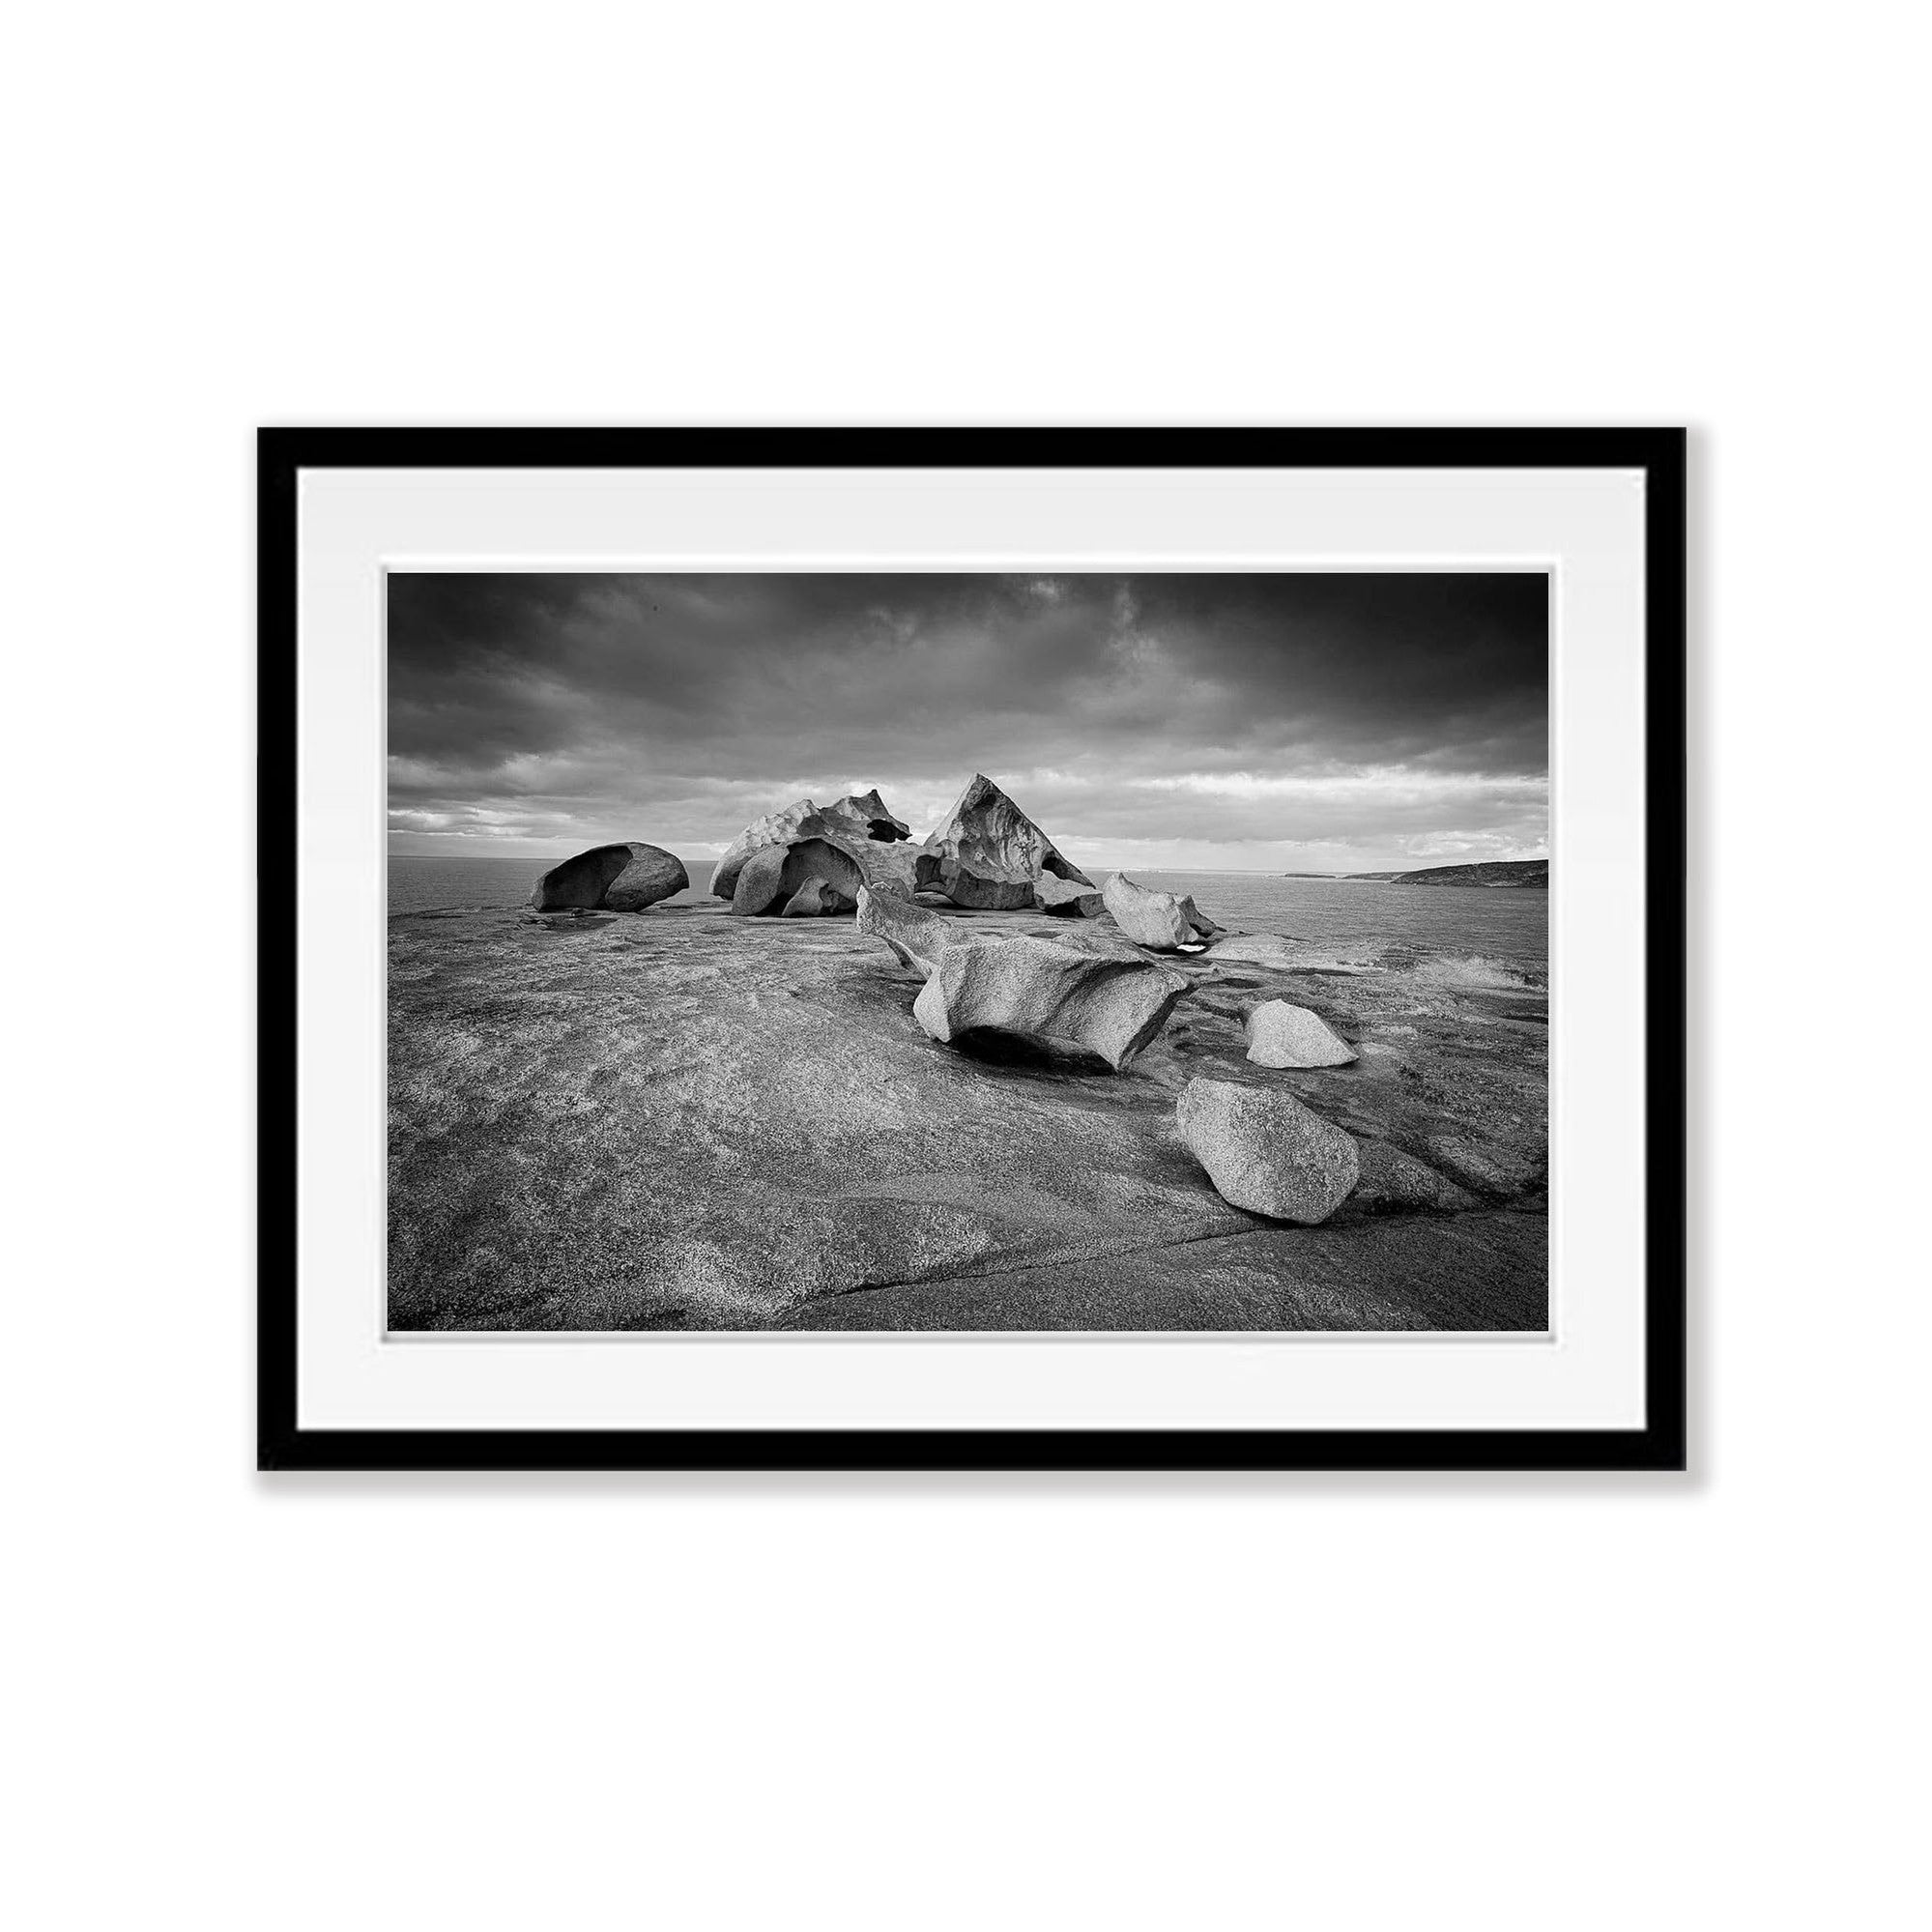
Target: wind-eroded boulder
[768, 879]
[1043, 991]
[1156, 919]
[858, 823]
[988, 853]
[1266, 1152]
[622, 878]
[917, 936]
[862, 815]
[1280, 1035]
[775, 829]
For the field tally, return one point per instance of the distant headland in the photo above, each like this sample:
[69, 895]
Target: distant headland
[1532, 873]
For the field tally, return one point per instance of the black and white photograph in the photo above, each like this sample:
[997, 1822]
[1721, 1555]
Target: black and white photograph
[788, 951]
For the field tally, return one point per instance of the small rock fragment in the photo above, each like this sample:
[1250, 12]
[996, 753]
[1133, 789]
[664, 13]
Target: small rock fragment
[1280, 1035]
[1067, 898]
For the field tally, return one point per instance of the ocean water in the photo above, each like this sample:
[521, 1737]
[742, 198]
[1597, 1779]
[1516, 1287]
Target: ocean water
[1459, 922]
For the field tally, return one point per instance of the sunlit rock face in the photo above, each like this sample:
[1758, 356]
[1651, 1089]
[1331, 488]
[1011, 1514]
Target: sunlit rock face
[988, 853]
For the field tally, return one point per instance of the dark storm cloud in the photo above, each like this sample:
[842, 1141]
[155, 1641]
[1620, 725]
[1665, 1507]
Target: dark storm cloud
[1399, 712]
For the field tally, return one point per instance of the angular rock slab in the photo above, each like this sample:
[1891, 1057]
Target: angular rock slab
[987, 852]
[769, 879]
[1066, 898]
[977, 888]
[1280, 1035]
[917, 936]
[1266, 1152]
[1155, 919]
[622, 878]
[1043, 991]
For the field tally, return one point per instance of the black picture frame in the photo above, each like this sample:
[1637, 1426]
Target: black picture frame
[1660, 1444]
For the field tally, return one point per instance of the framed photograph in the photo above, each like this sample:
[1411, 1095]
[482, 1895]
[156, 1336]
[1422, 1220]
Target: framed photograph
[972, 949]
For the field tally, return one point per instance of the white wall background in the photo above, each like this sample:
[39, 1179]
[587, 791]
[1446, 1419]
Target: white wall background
[237, 1703]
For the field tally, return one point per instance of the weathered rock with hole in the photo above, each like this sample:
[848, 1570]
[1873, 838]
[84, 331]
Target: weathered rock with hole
[622, 878]
[862, 815]
[1280, 1035]
[916, 935]
[986, 853]
[1266, 1152]
[859, 823]
[1042, 991]
[1154, 919]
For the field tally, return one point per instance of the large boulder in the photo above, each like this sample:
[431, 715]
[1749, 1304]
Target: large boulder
[1280, 1035]
[622, 878]
[1157, 920]
[768, 880]
[1043, 991]
[988, 853]
[917, 936]
[1266, 1152]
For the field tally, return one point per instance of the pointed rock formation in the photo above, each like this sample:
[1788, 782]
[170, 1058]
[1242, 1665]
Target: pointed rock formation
[917, 937]
[1280, 1035]
[1155, 919]
[623, 879]
[988, 852]
[1042, 991]
[1266, 1152]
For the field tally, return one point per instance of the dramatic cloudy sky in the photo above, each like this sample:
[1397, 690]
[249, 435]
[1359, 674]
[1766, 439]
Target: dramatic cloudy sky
[1283, 722]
